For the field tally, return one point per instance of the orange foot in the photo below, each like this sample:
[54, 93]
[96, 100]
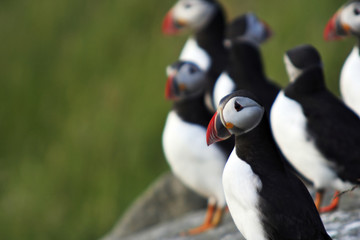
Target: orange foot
[211, 220]
[333, 205]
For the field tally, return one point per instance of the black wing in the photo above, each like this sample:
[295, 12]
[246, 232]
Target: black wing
[336, 132]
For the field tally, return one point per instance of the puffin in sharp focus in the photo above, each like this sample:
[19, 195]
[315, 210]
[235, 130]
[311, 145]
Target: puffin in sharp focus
[206, 20]
[315, 130]
[184, 140]
[265, 200]
[346, 22]
[245, 67]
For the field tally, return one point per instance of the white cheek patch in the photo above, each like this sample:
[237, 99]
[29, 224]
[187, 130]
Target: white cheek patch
[292, 71]
[247, 118]
[350, 18]
[196, 13]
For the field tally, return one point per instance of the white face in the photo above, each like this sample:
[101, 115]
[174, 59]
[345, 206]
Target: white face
[292, 71]
[350, 16]
[191, 77]
[243, 113]
[194, 14]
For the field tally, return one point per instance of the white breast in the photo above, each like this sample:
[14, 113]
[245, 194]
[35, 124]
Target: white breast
[224, 85]
[198, 166]
[350, 81]
[193, 53]
[288, 125]
[241, 186]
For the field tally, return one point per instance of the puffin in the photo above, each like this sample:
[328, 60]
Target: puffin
[314, 129]
[184, 141]
[245, 67]
[206, 20]
[265, 199]
[346, 22]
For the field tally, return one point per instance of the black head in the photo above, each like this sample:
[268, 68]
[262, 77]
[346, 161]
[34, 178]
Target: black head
[299, 59]
[249, 28]
[304, 68]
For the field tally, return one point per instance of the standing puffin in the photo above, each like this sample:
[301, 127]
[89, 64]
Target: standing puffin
[245, 67]
[206, 20]
[184, 140]
[265, 200]
[316, 131]
[345, 22]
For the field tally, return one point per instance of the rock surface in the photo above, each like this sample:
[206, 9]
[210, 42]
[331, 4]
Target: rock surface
[342, 224]
[166, 199]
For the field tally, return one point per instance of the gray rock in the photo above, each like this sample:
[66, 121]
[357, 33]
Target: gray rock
[166, 199]
[172, 229]
[342, 224]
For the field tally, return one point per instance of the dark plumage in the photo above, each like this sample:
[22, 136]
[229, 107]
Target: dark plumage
[184, 143]
[334, 127]
[245, 67]
[265, 199]
[207, 35]
[315, 130]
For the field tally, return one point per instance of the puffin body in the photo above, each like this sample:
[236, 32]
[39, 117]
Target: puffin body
[184, 140]
[241, 186]
[192, 52]
[346, 22]
[206, 20]
[289, 126]
[315, 131]
[350, 81]
[197, 166]
[245, 68]
[264, 198]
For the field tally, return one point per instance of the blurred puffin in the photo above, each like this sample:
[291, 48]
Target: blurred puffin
[345, 22]
[316, 131]
[265, 200]
[206, 20]
[245, 68]
[184, 141]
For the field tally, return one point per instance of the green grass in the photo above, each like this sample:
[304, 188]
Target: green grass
[82, 107]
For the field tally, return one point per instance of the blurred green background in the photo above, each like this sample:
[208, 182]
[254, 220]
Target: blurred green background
[82, 107]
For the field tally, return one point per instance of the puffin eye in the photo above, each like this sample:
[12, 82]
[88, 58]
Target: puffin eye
[356, 11]
[192, 70]
[238, 107]
[187, 5]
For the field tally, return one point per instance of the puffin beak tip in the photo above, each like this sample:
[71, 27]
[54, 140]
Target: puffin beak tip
[168, 25]
[212, 133]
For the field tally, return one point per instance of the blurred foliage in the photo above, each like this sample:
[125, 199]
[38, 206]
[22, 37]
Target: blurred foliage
[82, 108]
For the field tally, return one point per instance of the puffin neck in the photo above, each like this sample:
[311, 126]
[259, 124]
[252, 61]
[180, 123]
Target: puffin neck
[258, 144]
[212, 35]
[245, 62]
[193, 110]
[309, 82]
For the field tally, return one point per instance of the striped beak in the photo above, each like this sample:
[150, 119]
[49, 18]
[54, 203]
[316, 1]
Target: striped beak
[169, 88]
[170, 26]
[216, 131]
[335, 30]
